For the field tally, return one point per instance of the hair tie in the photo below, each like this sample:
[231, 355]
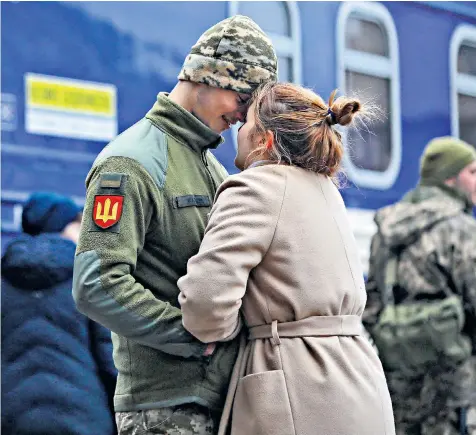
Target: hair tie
[333, 116]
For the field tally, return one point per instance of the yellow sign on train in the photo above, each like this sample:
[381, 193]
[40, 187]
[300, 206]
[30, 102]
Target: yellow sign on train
[72, 108]
[68, 94]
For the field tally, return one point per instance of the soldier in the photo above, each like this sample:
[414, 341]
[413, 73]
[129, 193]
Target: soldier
[421, 307]
[148, 195]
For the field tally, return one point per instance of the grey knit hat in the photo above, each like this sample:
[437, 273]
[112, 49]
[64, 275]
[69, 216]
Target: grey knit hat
[234, 54]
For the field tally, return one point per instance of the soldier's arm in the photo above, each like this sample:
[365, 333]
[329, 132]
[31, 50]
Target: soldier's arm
[374, 298]
[104, 287]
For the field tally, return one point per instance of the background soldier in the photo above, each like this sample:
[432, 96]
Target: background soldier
[148, 195]
[430, 239]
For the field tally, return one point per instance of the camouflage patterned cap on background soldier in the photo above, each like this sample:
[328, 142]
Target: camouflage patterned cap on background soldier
[234, 54]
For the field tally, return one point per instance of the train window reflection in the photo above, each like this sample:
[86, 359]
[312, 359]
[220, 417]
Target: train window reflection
[368, 66]
[261, 12]
[467, 60]
[281, 22]
[285, 65]
[467, 118]
[372, 148]
[364, 35]
[463, 83]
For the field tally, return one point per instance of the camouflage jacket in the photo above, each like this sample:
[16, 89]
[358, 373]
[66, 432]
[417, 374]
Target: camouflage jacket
[433, 229]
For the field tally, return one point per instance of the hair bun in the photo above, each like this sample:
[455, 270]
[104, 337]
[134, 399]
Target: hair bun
[345, 109]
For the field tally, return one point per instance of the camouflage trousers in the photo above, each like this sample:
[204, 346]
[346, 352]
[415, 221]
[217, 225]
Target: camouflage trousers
[430, 404]
[188, 419]
[449, 425]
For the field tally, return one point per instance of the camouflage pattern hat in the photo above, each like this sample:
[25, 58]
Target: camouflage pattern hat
[444, 158]
[234, 54]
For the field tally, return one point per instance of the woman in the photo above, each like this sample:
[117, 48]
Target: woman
[278, 251]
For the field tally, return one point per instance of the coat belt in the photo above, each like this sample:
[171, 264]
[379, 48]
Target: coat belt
[315, 326]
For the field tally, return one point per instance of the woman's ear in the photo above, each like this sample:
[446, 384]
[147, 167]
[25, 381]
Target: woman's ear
[269, 139]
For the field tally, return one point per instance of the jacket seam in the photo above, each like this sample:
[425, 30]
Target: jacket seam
[274, 234]
[279, 215]
[166, 132]
[345, 249]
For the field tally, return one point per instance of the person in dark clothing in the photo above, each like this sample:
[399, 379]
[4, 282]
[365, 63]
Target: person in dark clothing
[58, 377]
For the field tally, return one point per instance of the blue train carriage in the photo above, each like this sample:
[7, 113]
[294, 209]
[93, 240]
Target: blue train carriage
[75, 74]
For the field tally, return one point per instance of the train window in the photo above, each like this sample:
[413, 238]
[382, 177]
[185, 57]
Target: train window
[364, 35]
[372, 148]
[281, 22]
[467, 59]
[272, 17]
[368, 66]
[463, 83]
[467, 118]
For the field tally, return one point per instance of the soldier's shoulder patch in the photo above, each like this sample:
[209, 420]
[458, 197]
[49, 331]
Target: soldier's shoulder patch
[107, 210]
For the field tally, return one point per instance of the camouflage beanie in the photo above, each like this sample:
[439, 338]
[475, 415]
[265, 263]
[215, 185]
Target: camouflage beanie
[234, 54]
[444, 158]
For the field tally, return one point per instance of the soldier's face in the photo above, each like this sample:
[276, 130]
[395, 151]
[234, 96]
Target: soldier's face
[220, 108]
[466, 181]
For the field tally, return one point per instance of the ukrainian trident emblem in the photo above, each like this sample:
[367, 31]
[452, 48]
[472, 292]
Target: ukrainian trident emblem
[107, 210]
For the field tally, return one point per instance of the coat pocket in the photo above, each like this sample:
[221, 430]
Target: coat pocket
[262, 405]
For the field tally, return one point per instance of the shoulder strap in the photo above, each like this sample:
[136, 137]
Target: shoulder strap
[390, 279]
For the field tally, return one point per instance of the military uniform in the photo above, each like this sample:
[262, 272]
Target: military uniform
[435, 231]
[177, 420]
[446, 250]
[148, 196]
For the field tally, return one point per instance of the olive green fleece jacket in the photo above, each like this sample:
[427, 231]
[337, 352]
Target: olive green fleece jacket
[129, 257]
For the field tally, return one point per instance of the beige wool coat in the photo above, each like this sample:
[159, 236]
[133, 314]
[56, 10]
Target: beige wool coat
[279, 255]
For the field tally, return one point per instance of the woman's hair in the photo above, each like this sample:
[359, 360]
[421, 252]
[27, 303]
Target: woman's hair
[302, 126]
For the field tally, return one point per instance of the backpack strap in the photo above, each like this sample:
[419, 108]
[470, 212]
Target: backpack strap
[390, 279]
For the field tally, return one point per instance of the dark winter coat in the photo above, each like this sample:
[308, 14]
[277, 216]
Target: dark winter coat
[57, 371]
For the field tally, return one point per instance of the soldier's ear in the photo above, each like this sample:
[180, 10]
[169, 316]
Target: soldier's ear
[451, 181]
